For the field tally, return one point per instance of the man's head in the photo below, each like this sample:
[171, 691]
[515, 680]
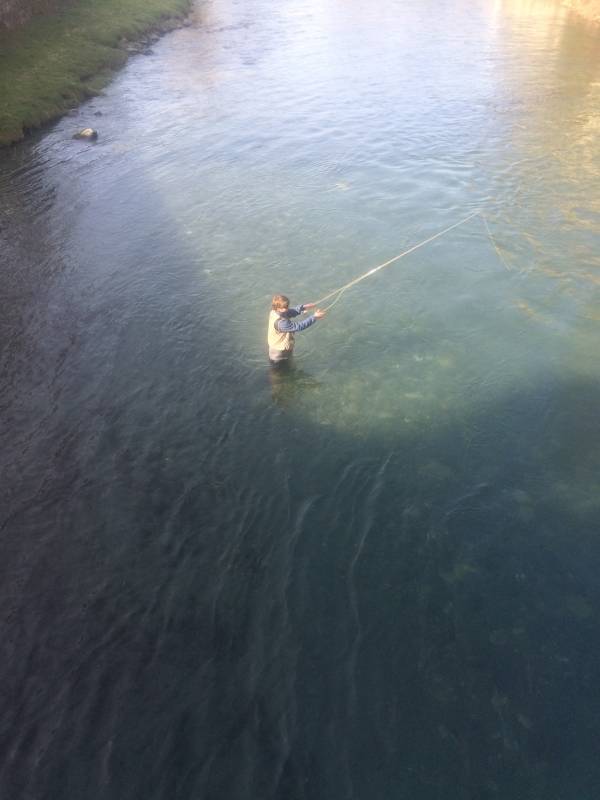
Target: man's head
[280, 303]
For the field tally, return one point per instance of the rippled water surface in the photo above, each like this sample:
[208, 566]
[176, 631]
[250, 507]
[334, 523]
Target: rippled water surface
[374, 576]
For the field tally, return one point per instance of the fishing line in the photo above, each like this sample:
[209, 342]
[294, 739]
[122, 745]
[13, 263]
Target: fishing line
[372, 271]
[499, 254]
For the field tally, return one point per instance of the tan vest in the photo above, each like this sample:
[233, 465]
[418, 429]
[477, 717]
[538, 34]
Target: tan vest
[277, 340]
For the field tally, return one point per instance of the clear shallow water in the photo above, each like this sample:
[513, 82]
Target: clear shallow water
[375, 577]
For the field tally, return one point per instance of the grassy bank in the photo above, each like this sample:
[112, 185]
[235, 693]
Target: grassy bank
[54, 62]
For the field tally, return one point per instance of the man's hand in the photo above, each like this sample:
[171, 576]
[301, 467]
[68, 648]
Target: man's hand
[319, 314]
[309, 305]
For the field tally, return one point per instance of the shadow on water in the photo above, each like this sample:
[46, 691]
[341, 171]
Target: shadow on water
[202, 597]
[210, 601]
[410, 617]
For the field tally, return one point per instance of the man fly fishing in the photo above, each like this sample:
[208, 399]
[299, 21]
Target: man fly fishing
[281, 328]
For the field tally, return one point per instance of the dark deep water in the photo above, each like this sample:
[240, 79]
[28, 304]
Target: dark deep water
[375, 577]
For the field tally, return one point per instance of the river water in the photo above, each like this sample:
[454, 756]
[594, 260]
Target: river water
[373, 576]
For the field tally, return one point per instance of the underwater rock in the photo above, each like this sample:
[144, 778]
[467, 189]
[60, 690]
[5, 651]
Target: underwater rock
[525, 721]
[578, 607]
[459, 573]
[87, 133]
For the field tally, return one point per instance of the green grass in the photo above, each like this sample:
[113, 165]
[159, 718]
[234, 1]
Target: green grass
[56, 61]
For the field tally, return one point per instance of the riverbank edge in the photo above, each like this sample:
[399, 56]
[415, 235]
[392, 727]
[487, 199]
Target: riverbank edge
[55, 62]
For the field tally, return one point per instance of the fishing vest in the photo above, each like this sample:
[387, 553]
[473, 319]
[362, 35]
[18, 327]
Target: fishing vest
[276, 339]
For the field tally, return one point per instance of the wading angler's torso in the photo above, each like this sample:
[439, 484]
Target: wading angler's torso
[275, 339]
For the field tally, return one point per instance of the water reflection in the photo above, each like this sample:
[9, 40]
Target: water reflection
[388, 590]
[546, 13]
[291, 384]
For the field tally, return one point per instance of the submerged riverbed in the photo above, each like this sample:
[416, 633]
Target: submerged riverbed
[374, 576]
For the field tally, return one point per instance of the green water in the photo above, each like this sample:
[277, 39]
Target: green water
[371, 576]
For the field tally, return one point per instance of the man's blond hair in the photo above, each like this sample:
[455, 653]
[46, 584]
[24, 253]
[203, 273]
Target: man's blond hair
[280, 302]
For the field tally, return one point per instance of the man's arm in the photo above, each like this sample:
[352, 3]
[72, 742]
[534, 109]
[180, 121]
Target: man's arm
[294, 311]
[287, 326]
